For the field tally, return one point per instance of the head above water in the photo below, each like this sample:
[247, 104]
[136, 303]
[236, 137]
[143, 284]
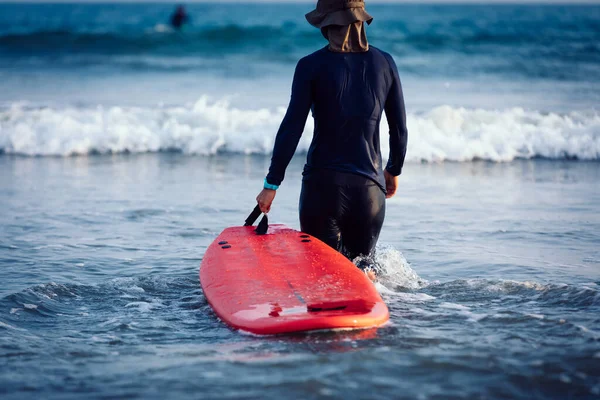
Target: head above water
[338, 12]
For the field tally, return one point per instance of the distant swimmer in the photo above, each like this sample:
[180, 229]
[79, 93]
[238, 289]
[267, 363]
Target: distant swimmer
[179, 18]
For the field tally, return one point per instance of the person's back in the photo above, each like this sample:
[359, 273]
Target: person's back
[349, 96]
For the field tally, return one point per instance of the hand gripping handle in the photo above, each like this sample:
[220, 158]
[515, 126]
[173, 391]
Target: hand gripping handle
[263, 225]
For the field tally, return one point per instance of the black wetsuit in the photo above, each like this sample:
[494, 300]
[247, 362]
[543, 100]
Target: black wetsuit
[343, 191]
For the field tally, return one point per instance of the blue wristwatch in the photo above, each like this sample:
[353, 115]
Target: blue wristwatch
[267, 185]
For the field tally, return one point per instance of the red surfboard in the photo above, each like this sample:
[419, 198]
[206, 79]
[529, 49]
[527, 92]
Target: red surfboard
[286, 281]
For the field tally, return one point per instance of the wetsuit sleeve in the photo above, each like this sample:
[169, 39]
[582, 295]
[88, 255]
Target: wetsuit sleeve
[395, 113]
[293, 123]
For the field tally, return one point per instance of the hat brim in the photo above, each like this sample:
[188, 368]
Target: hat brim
[341, 17]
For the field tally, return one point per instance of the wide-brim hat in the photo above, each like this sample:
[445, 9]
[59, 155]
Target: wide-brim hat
[338, 12]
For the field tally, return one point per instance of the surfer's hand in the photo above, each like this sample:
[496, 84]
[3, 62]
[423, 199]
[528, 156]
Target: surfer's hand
[265, 199]
[391, 184]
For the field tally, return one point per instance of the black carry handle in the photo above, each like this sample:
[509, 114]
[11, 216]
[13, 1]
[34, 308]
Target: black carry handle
[263, 225]
[253, 216]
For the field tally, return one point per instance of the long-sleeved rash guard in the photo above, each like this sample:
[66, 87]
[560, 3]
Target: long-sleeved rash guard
[347, 93]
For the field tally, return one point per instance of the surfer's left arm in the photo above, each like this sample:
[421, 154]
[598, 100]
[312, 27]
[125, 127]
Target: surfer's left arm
[289, 133]
[395, 112]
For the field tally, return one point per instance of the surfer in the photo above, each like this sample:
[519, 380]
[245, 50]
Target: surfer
[347, 84]
[179, 18]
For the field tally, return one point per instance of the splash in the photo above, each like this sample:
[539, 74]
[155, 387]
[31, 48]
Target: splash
[392, 270]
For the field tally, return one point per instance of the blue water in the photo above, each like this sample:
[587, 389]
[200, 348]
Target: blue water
[101, 297]
[126, 148]
[515, 54]
[428, 40]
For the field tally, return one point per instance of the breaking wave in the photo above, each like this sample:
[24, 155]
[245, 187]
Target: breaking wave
[209, 127]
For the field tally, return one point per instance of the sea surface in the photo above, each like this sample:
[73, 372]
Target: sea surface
[127, 147]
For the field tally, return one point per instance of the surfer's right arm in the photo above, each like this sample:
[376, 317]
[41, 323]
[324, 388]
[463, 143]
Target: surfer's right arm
[395, 112]
[293, 123]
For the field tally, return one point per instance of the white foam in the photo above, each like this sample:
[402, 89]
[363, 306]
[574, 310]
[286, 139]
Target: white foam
[461, 310]
[405, 297]
[128, 285]
[393, 270]
[7, 326]
[423, 312]
[536, 316]
[104, 338]
[588, 331]
[505, 286]
[161, 28]
[460, 134]
[453, 306]
[109, 322]
[207, 127]
[143, 306]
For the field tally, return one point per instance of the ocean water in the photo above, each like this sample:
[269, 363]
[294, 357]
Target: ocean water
[126, 148]
[481, 82]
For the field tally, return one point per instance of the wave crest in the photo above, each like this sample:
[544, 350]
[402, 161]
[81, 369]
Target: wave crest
[206, 128]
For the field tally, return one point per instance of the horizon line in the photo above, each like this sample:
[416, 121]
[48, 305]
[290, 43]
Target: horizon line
[388, 2]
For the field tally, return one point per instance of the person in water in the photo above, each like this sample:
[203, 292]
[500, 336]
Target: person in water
[179, 18]
[347, 85]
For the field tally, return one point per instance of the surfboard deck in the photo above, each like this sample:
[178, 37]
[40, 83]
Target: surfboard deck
[286, 281]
